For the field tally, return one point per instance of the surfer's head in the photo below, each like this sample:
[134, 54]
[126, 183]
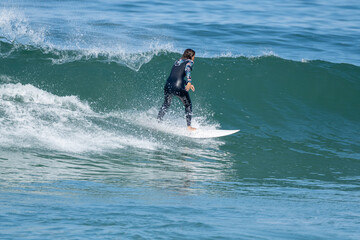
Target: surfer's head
[188, 54]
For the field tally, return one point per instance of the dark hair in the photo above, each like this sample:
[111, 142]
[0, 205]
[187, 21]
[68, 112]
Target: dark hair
[188, 54]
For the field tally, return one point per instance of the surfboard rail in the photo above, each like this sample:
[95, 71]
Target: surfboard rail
[213, 133]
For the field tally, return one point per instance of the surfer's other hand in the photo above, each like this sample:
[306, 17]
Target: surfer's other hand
[190, 86]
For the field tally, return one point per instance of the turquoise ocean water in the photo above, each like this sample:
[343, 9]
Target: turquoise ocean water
[81, 82]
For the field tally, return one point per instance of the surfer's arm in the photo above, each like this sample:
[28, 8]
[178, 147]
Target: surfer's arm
[188, 69]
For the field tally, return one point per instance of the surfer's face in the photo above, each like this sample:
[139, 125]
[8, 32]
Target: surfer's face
[193, 58]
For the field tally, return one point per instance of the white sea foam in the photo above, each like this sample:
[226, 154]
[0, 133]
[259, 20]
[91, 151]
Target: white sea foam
[269, 53]
[15, 27]
[229, 54]
[7, 79]
[34, 118]
[30, 94]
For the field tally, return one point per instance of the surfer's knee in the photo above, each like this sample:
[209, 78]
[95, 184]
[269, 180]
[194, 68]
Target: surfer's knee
[188, 107]
[186, 101]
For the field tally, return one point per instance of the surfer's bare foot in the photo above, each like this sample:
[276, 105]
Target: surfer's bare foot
[190, 128]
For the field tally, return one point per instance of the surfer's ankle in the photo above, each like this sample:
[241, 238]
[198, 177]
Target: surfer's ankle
[190, 128]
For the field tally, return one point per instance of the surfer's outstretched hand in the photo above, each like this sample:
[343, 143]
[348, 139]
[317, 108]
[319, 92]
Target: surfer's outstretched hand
[190, 86]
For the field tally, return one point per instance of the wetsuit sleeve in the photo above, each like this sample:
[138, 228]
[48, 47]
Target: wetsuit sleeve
[188, 68]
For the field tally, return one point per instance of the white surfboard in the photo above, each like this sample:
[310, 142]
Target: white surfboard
[210, 133]
[149, 121]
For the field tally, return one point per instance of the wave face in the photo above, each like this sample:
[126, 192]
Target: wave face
[309, 102]
[296, 101]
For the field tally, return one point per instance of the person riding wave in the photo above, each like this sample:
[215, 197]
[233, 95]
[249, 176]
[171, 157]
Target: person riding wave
[178, 84]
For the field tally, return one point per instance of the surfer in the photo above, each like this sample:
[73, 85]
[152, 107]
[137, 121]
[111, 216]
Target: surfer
[178, 84]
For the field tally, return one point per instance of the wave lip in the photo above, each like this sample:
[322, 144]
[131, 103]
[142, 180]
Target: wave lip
[59, 55]
[117, 54]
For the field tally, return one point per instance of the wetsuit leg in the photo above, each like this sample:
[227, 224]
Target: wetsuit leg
[167, 101]
[185, 99]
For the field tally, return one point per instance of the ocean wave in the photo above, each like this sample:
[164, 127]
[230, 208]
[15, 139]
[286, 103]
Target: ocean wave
[263, 96]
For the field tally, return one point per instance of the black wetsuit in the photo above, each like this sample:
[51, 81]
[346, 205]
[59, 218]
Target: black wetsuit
[175, 85]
